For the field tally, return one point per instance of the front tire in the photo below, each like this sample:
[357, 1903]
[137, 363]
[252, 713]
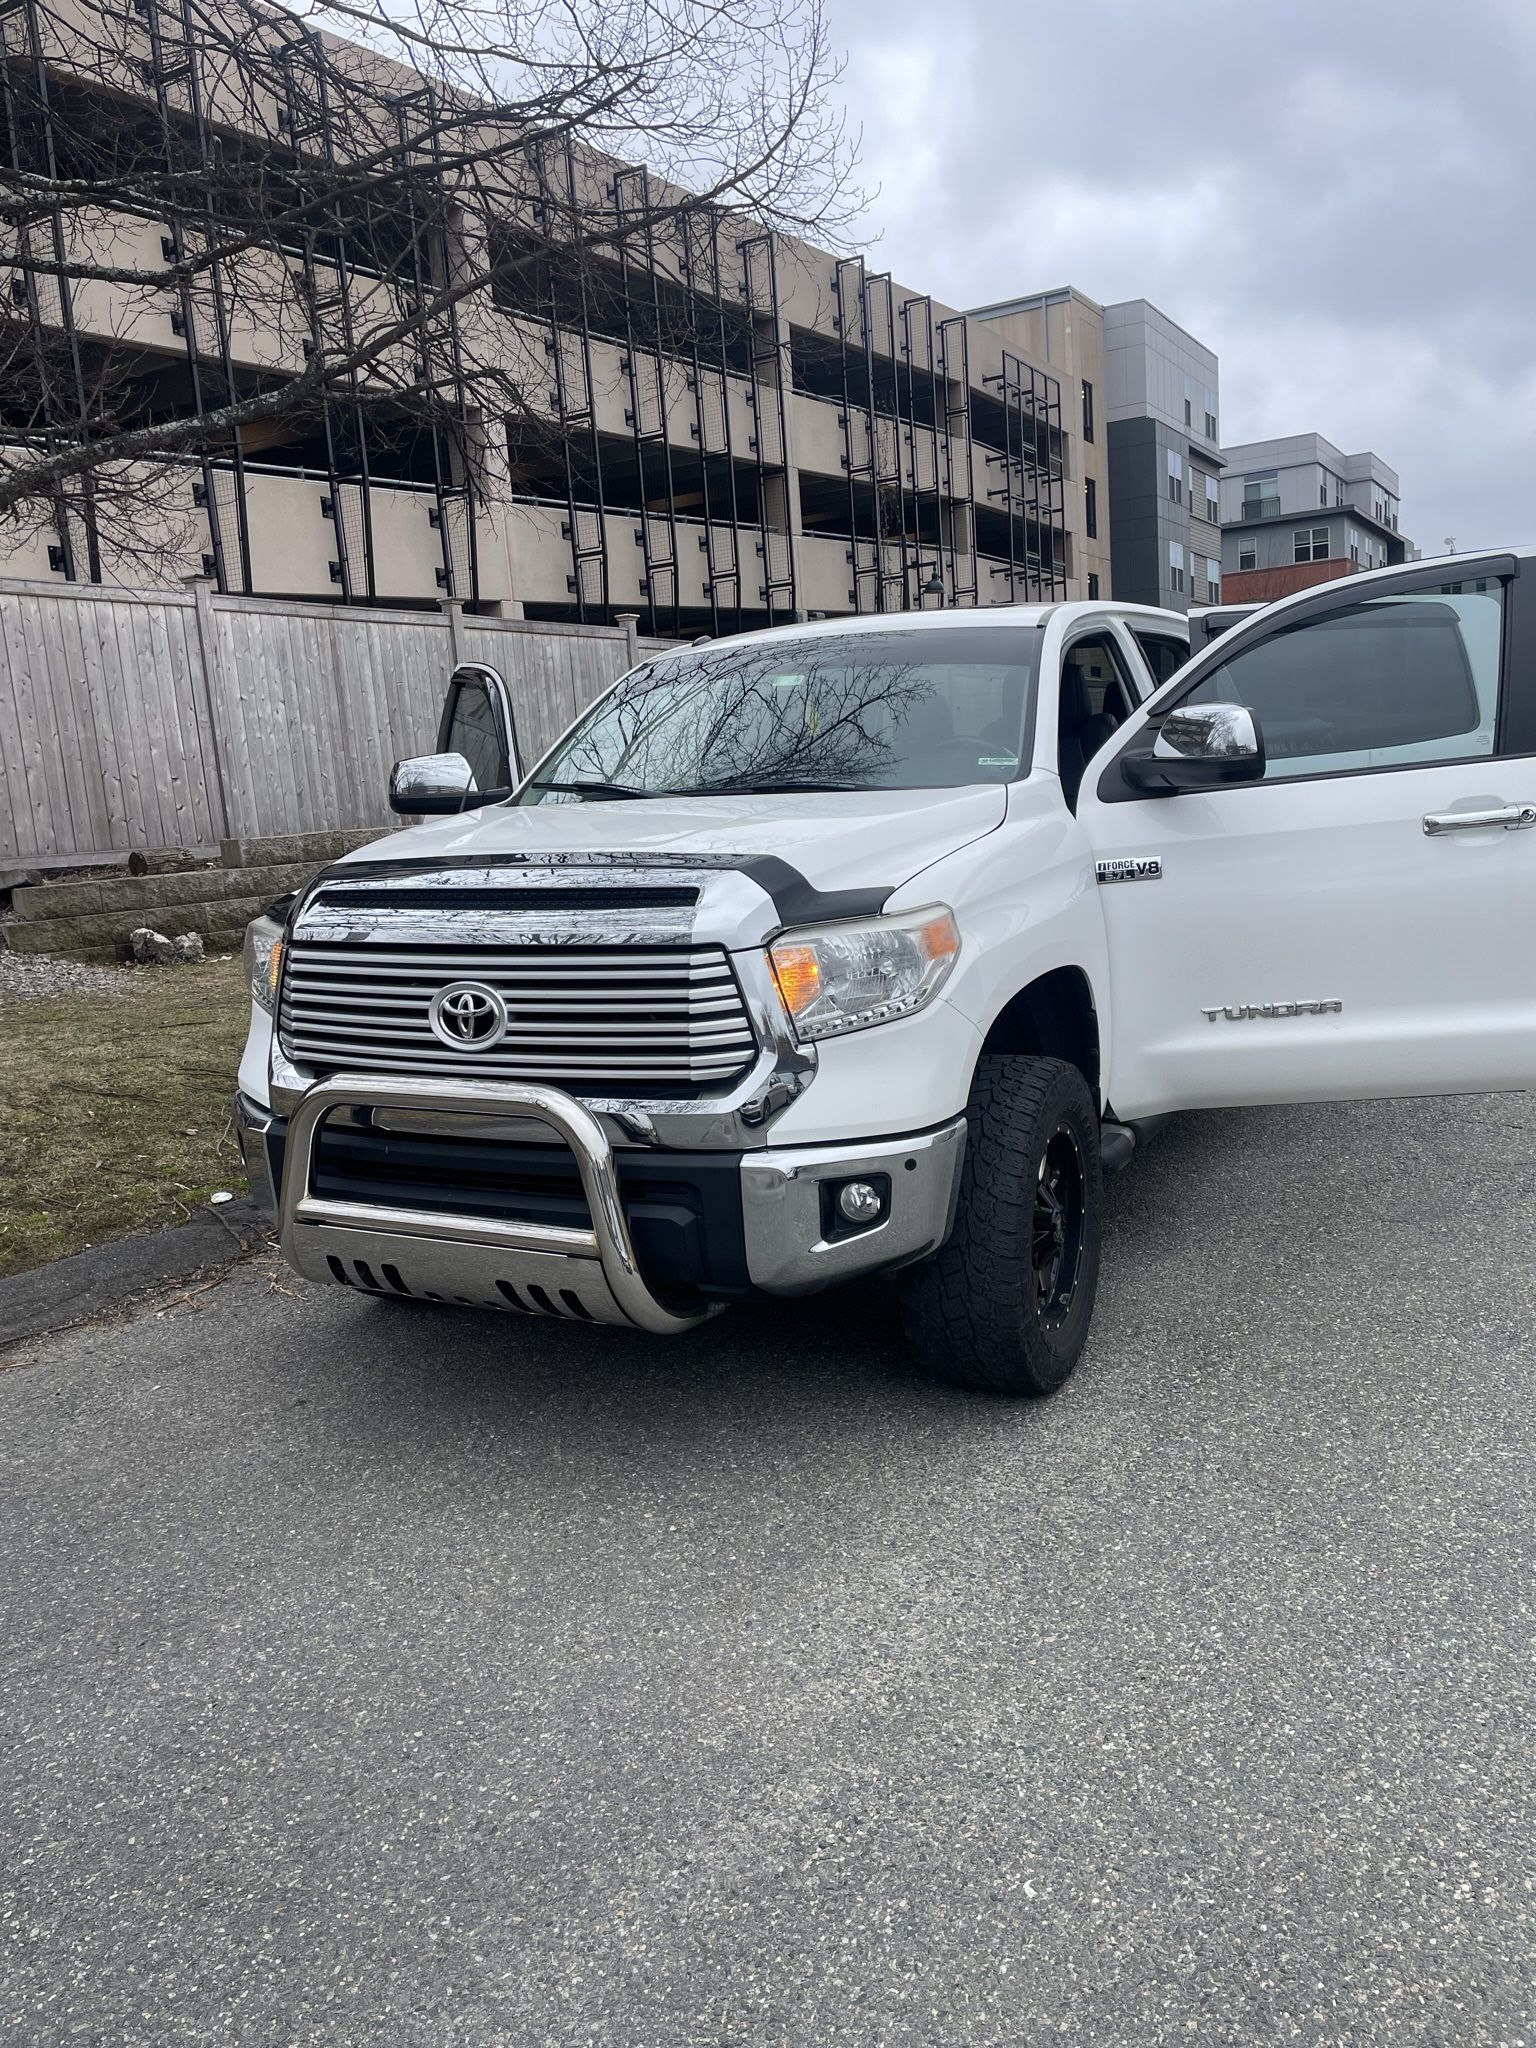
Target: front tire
[1004, 1307]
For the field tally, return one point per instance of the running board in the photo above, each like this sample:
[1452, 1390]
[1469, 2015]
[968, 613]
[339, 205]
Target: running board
[1116, 1144]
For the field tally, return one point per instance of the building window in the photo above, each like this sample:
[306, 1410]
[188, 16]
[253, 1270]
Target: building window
[1322, 494]
[1210, 415]
[1212, 502]
[1354, 547]
[1247, 554]
[1261, 494]
[1087, 410]
[1311, 543]
[1175, 476]
[1189, 401]
[1093, 584]
[1213, 578]
[1090, 508]
[1176, 565]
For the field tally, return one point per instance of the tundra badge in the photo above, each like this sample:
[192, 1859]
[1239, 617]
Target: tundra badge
[1239, 1013]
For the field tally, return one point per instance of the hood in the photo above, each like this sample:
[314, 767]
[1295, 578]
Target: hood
[861, 839]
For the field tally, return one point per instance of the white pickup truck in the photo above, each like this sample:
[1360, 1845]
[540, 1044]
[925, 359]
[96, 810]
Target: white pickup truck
[868, 945]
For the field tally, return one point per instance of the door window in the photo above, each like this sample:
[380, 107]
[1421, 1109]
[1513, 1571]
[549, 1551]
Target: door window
[1095, 700]
[1388, 683]
[474, 730]
[1093, 677]
[1162, 654]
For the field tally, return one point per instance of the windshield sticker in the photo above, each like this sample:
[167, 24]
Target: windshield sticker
[997, 761]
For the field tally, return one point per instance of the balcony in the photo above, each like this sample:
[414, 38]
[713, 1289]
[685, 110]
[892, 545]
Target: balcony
[1261, 508]
[539, 547]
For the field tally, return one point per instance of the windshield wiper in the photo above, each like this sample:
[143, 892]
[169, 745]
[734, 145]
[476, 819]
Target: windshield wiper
[627, 789]
[790, 783]
[595, 788]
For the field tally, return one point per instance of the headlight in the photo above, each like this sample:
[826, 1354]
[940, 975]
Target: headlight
[844, 977]
[263, 959]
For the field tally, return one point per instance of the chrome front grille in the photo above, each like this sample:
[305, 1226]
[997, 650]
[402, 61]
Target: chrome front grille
[613, 1018]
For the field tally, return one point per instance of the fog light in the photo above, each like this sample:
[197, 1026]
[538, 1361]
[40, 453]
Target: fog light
[859, 1202]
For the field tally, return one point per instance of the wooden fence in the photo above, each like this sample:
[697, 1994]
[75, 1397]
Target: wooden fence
[161, 718]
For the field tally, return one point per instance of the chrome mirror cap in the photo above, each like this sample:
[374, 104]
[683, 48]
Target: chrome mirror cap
[431, 783]
[1209, 732]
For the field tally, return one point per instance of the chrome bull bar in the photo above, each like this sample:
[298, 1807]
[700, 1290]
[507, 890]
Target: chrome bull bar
[587, 1275]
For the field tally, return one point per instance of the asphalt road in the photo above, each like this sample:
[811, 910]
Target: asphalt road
[395, 1676]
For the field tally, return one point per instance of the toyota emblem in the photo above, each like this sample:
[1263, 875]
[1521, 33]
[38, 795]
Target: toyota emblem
[468, 1016]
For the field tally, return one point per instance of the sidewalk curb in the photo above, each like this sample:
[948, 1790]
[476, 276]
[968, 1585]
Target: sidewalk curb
[73, 1290]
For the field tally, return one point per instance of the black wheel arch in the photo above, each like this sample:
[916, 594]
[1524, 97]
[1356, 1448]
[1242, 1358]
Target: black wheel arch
[1052, 1017]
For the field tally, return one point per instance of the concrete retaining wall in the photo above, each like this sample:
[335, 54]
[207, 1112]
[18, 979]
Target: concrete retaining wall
[91, 920]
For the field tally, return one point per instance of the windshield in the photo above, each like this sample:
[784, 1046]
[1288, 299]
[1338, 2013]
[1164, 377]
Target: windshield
[930, 709]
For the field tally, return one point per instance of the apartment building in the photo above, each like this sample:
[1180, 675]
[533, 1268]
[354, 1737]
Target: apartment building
[1297, 511]
[719, 428]
[1163, 411]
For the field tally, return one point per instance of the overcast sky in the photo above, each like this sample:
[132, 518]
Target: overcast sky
[1339, 199]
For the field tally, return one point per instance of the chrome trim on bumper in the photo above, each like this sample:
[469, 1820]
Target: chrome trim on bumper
[782, 1217]
[472, 1258]
[252, 1124]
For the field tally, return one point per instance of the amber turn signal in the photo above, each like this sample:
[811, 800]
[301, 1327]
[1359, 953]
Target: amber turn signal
[798, 973]
[940, 937]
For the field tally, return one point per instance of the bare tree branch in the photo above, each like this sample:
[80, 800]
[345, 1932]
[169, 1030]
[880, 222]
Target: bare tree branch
[236, 231]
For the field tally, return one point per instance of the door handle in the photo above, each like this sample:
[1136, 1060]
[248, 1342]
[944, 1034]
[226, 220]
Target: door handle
[1513, 818]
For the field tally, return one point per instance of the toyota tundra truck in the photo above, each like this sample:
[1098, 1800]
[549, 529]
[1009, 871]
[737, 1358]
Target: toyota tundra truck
[867, 946]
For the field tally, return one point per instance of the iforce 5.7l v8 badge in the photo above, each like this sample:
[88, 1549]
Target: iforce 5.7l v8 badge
[1143, 867]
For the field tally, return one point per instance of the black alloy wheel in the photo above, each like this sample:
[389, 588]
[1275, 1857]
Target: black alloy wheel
[1058, 1226]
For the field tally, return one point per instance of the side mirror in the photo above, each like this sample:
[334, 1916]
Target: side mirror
[432, 783]
[1199, 746]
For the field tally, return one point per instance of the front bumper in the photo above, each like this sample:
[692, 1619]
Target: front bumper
[620, 1245]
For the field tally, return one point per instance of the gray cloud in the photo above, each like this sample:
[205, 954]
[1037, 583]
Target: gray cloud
[1340, 200]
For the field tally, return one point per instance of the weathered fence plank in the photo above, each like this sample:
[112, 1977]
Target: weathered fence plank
[149, 719]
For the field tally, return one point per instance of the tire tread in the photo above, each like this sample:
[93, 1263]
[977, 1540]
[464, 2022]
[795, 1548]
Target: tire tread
[965, 1308]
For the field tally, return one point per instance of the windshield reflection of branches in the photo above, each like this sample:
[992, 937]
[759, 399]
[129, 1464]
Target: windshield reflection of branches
[729, 724]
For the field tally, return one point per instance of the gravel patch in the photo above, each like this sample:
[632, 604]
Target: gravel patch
[27, 977]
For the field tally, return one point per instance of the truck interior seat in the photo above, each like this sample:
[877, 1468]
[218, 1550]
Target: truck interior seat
[1081, 729]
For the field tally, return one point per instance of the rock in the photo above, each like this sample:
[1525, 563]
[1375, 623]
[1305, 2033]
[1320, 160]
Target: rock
[154, 949]
[151, 949]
